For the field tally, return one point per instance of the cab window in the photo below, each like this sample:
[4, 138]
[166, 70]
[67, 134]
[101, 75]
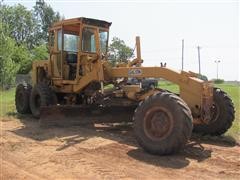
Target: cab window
[70, 42]
[103, 35]
[88, 40]
[59, 35]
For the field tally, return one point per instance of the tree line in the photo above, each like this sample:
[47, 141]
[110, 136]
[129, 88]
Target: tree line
[24, 38]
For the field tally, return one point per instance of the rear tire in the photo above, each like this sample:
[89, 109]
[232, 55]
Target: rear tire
[162, 123]
[222, 118]
[41, 95]
[22, 95]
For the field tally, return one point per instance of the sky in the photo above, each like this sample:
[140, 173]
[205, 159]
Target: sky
[213, 25]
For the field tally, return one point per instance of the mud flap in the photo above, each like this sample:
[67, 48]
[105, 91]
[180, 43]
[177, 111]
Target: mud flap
[70, 115]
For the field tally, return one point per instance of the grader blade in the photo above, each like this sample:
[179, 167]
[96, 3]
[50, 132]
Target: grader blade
[63, 115]
[69, 115]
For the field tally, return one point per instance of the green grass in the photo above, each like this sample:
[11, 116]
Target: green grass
[7, 104]
[168, 86]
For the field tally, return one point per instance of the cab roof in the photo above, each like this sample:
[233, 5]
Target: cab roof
[89, 21]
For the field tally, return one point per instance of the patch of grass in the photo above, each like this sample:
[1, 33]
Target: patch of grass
[7, 102]
[168, 86]
[109, 86]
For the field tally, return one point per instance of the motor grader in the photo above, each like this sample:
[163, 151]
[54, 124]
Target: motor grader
[78, 70]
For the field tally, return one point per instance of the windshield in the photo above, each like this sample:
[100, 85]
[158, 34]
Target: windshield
[70, 42]
[88, 40]
[103, 34]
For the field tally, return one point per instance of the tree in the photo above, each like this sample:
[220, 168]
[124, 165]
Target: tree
[119, 51]
[22, 57]
[8, 68]
[21, 24]
[45, 17]
[40, 52]
[26, 26]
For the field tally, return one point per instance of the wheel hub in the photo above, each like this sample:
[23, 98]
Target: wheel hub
[215, 112]
[158, 123]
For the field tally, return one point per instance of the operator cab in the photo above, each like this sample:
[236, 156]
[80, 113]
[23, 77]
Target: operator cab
[75, 43]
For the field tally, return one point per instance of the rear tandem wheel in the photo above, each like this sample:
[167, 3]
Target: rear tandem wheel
[41, 95]
[222, 115]
[22, 95]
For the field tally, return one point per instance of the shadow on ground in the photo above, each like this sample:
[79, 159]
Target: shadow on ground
[121, 133]
[176, 161]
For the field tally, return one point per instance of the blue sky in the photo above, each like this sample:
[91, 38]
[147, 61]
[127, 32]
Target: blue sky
[213, 25]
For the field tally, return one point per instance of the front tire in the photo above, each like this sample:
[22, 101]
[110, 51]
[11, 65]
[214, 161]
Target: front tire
[162, 123]
[222, 116]
[41, 95]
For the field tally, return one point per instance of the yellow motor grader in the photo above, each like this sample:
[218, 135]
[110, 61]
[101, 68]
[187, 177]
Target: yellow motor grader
[78, 70]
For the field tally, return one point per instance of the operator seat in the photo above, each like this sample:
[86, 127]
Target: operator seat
[71, 57]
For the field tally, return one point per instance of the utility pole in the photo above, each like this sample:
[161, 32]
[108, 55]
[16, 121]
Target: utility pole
[199, 62]
[217, 62]
[182, 52]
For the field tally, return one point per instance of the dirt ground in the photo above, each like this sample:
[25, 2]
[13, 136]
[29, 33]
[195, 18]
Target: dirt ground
[29, 151]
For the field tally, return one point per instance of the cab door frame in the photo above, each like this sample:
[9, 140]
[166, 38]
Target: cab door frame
[56, 53]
